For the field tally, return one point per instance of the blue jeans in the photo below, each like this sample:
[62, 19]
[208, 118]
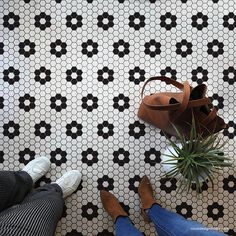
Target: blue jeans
[167, 224]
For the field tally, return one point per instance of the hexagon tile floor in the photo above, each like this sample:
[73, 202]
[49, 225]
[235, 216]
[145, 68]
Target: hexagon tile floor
[70, 75]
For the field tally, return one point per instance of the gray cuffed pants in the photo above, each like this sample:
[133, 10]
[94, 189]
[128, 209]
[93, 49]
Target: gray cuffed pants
[25, 213]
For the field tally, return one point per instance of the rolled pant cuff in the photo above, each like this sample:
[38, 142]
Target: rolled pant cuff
[53, 186]
[25, 176]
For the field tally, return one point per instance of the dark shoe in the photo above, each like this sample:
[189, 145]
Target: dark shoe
[145, 191]
[112, 205]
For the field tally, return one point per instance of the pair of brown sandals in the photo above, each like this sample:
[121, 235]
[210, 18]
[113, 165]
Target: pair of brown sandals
[113, 207]
[171, 110]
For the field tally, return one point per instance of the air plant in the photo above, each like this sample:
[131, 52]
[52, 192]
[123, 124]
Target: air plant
[195, 159]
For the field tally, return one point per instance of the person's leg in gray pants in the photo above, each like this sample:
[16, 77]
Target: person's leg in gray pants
[28, 213]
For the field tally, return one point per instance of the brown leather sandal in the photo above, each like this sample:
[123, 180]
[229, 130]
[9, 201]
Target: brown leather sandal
[112, 205]
[166, 109]
[146, 195]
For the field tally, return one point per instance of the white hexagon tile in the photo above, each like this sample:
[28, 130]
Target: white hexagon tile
[70, 77]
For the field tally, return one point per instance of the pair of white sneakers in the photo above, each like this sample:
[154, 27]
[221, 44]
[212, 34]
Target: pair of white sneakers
[69, 182]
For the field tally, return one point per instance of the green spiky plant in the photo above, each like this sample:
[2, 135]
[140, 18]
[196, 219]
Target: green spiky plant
[196, 157]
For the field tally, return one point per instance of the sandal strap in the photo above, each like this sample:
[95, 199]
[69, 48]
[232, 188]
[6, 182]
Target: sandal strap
[178, 107]
[164, 79]
[184, 104]
[174, 107]
[200, 102]
[212, 115]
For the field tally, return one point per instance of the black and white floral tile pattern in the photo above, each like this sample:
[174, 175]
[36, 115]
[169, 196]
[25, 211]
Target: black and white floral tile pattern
[70, 77]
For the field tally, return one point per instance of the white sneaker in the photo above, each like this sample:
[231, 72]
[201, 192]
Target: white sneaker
[69, 182]
[37, 168]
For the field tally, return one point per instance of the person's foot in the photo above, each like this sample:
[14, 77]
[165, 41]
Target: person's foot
[145, 191]
[112, 205]
[69, 182]
[37, 168]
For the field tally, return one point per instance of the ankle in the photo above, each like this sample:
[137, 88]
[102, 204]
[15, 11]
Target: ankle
[152, 206]
[122, 218]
